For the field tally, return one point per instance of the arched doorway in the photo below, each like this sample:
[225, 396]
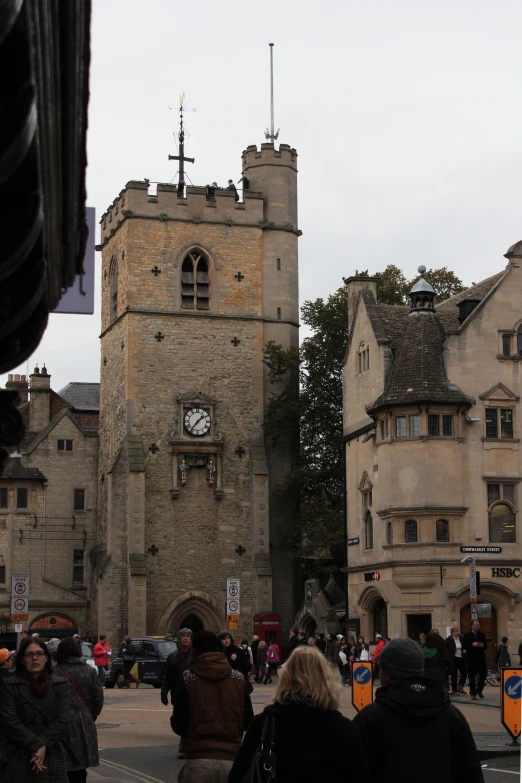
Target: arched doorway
[380, 618]
[308, 624]
[204, 610]
[488, 625]
[193, 622]
[53, 625]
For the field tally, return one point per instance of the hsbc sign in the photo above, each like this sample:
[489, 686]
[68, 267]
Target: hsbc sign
[372, 576]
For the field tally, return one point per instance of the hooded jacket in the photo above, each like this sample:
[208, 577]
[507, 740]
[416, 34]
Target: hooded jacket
[213, 708]
[416, 728]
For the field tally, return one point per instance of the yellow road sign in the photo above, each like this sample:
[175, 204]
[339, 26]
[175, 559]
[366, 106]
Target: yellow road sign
[233, 618]
[511, 699]
[362, 684]
[232, 626]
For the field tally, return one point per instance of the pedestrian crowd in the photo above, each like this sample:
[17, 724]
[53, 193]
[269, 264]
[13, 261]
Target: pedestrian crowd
[50, 700]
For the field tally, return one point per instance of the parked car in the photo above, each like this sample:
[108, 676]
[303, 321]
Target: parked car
[151, 657]
[88, 655]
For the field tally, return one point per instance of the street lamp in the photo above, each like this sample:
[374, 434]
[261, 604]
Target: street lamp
[472, 586]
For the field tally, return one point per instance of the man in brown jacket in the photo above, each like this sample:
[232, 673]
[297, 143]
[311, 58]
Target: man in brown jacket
[212, 710]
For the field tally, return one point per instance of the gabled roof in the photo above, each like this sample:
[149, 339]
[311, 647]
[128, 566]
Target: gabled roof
[418, 374]
[13, 469]
[448, 310]
[82, 396]
[52, 424]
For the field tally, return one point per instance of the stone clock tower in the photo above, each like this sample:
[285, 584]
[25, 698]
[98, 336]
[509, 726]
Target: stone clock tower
[192, 289]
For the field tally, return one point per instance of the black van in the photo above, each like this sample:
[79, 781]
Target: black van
[151, 656]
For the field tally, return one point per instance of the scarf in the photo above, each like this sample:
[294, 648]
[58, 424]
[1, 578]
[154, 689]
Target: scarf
[39, 685]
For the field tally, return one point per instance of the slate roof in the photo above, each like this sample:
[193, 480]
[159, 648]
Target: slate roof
[417, 374]
[82, 396]
[13, 469]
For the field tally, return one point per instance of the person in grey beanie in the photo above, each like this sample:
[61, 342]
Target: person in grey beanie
[411, 722]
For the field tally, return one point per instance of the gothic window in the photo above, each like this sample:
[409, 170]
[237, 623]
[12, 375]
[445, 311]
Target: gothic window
[195, 282]
[410, 531]
[519, 340]
[442, 531]
[113, 289]
[368, 531]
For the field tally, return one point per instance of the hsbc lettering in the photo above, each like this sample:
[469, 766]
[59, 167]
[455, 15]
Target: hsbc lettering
[505, 572]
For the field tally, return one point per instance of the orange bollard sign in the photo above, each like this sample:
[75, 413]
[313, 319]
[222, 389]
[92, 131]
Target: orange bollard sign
[362, 684]
[511, 700]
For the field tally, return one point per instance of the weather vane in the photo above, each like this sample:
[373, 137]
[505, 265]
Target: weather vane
[181, 141]
[269, 134]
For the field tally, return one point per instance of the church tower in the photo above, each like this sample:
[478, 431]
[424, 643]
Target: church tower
[194, 284]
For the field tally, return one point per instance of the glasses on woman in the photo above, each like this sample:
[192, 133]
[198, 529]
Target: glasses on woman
[35, 655]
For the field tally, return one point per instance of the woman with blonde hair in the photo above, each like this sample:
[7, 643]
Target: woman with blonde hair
[303, 731]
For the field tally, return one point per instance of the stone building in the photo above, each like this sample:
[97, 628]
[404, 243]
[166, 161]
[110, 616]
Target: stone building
[432, 426]
[48, 497]
[193, 287]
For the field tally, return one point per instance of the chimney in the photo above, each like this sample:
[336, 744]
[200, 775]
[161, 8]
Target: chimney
[466, 306]
[18, 383]
[354, 286]
[40, 391]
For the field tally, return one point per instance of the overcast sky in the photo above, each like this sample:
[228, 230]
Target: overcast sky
[406, 115]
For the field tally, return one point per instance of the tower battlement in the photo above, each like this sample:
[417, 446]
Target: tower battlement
[267, 154]
[136, 201]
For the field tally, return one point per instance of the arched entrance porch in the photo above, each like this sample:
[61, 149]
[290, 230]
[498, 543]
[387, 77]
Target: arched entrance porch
[195, 607]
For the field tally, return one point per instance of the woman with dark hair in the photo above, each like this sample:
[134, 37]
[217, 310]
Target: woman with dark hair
[81, 747]
[312, 740]
[235, 655]
[35, 713]
[436, 660]
[274, 659]
[262, 656]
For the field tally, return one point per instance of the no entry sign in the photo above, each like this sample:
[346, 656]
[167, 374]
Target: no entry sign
[19, 596]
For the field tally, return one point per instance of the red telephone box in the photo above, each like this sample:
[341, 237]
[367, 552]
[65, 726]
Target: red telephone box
[267, 625]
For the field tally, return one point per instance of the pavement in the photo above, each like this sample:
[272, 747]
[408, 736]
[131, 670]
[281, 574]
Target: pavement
[137, 745]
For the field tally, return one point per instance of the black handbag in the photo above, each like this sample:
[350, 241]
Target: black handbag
[264, 764]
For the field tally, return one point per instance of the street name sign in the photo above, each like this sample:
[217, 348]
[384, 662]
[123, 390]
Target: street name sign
[481, 550]
[511, 700]
[352, 541]
[362, 684]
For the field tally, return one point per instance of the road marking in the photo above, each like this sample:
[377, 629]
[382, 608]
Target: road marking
[135, 773]
[505, 771]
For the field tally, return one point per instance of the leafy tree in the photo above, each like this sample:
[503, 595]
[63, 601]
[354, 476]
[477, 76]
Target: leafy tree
[312, 411]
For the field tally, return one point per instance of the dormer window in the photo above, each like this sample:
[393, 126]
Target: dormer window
[195, 282]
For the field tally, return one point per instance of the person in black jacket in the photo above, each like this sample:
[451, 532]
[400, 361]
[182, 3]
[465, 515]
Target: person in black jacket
[456, 661]
[475, 645]
[176, 664]
[293, 640]
[321, 643]
[312, 740]
[411, 723]
[236, 656]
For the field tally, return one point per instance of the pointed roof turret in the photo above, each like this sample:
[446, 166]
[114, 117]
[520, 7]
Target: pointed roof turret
[422, 295]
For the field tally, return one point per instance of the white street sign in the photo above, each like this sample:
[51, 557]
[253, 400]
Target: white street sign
[20, 585]
[18, 627]
[19, 605]
[233, 606]
[233, 590]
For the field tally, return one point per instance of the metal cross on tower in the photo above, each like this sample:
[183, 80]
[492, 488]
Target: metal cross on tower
[181, 157]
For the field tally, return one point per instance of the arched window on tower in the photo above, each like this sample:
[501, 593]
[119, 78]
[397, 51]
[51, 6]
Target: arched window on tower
[502, 524]
[113, 289]
[519, 340]
[195, 282]
[442, 531]
[368, 531]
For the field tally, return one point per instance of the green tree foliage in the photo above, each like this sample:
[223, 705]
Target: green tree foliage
[309, 407]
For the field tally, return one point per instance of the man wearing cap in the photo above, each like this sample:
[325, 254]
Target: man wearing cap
[212, 709]
[6, 663]
[376, 654]
[413, 725]
[176, 664]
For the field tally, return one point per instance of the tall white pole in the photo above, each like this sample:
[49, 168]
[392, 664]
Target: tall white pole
[472, 586]
[272, 137]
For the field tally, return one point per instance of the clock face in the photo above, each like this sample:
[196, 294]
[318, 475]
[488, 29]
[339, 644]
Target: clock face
[197, 421]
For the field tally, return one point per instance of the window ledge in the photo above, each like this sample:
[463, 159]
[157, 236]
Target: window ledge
[502, 358]
[79, 588]
[500, 440]
[423, 543]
